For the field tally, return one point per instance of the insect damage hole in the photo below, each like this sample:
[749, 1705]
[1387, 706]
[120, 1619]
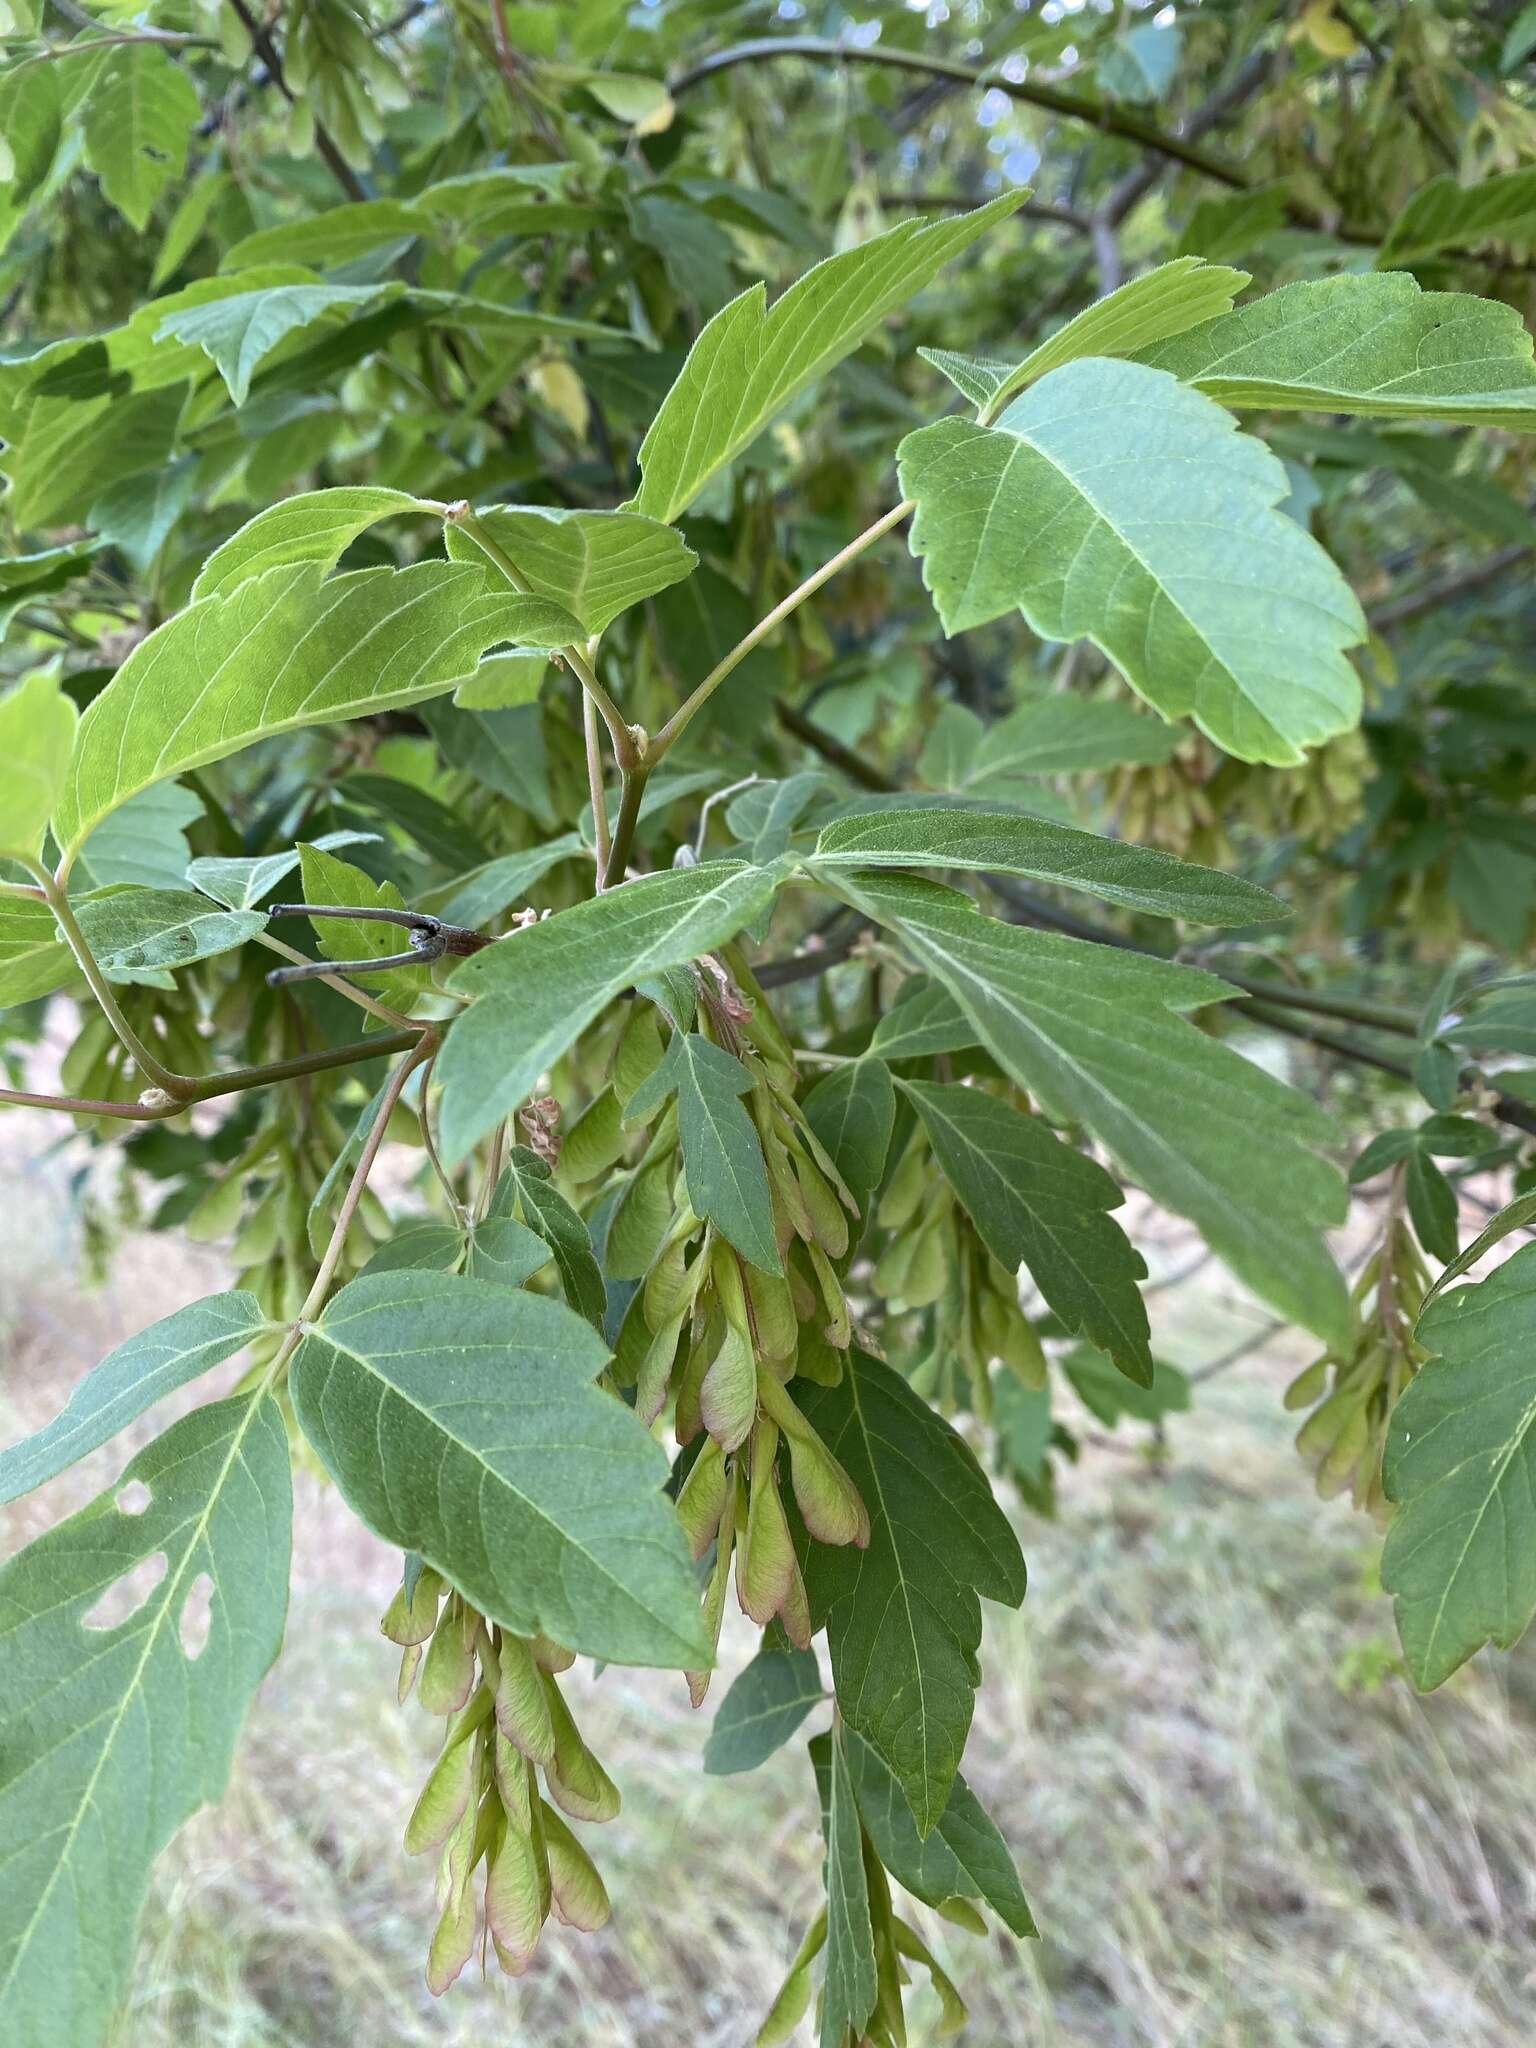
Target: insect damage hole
[127, 1594]
[196, 1617]
[133, 1498]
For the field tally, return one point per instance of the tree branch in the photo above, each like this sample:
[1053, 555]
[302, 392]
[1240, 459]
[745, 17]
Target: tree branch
[1108, 119]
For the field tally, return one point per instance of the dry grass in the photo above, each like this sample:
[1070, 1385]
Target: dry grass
[1234, 1835]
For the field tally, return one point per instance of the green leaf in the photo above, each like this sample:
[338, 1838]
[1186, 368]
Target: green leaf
[1040, 1204]
[722, 1153]
[1140, 63]
[460, 1420]
[1065, 735]
[328, 239]
[850, 1985]
[281, 651]
[316, 526]
[527, 1192]
[143, 843]
[116, 1732]
[1432, 1206]
[1375, 345]
[241, 883]
[903, 1617]
[853, 1113]
[130, 1379]
[478, 897]
[539, 988]
[924, 1019]
[64, 448]
[1090, 506]
[1445, 214]
[329, 879]
[29, 129]
[597, 564]
[240, 331]
[1104, 1392]
[749, 362]
[964, 1857]
[505, 1251]
[34, 960]
[137, 930]
[1153, 307]
[26, 578]
[37, 732]
[137, 121]
[763, 1708]
[1094, 1034]
[1460, 1557]
[1003, 842]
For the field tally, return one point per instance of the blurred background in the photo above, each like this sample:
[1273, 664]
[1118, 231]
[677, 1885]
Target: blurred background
[1238, 1826]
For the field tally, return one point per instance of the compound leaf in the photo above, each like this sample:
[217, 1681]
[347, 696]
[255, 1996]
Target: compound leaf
[1445, 214]
[315, 526]
[1365, 345]
[141, 111]
[850, 1985]
[37, 732]
[763, 1708]
[597, 564]
[132, 931]
[964, 1857]
[722, 1153]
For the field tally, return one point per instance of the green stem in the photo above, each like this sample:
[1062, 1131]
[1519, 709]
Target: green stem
[1096, 113]
[628, 747]
[58, 902]
[595, 788]
[235, 1082]
[680, 718]
[424, 1048]
[624, 826]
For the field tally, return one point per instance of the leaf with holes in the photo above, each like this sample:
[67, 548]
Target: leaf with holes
[138, 119]
[117, 1729]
